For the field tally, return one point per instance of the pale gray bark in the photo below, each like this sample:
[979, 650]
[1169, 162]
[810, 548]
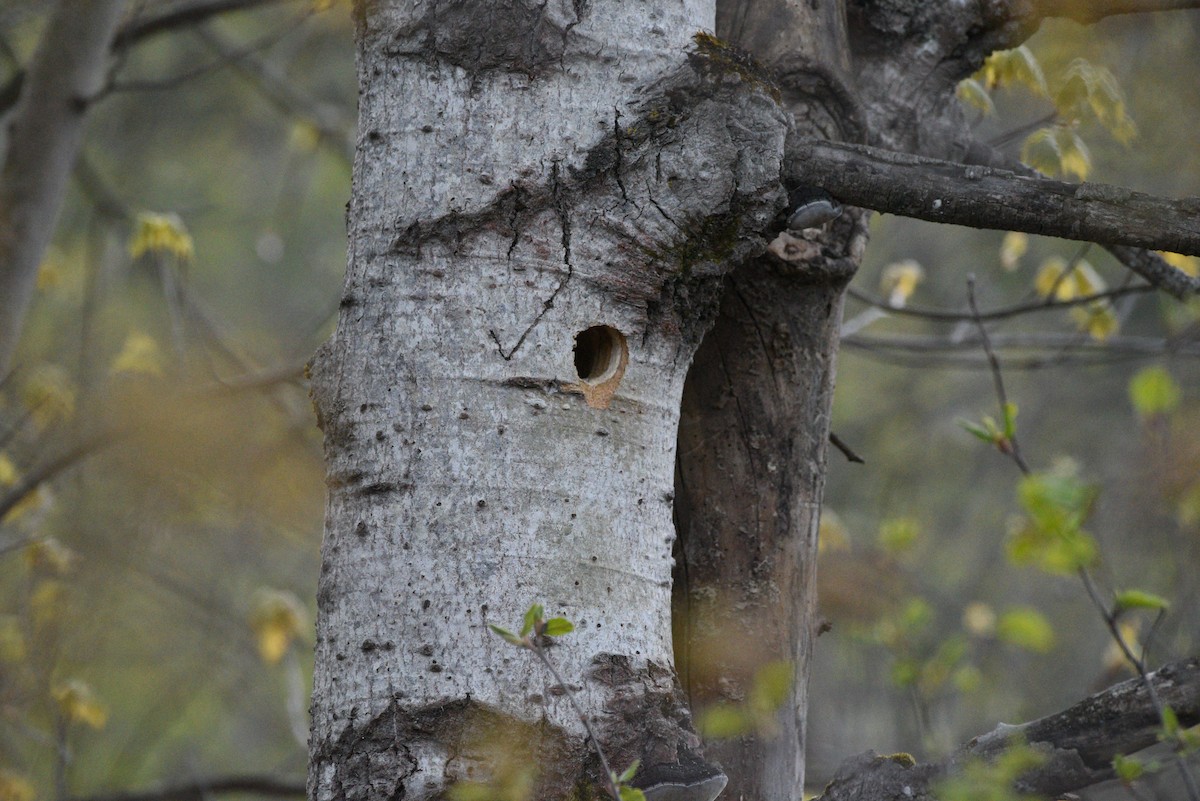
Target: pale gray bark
[521, 177]
[43, 141]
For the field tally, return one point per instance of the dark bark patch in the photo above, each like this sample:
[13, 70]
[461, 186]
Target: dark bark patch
[373, 760]
[526, 37]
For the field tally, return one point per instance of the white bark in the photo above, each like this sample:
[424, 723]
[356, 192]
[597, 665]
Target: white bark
[514, 187]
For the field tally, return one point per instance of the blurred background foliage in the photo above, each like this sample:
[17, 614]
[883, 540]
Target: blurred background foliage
[156, 596]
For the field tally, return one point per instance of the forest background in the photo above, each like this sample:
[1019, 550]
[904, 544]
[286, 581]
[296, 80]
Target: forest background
[157, 590]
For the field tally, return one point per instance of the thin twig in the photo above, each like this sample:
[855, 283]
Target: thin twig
[997, 376]
[1002, 313]
[583, 718]
[846, 450]
[1109, 615]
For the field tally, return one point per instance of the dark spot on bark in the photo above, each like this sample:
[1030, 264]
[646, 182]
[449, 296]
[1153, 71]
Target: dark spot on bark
[361, 529]
[435, 668]
[425, 604]
[481, 503]
[368, 646]
[425, 650]
[480, 36]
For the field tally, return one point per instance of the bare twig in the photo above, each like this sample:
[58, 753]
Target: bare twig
[846, 450]
[1002, 313]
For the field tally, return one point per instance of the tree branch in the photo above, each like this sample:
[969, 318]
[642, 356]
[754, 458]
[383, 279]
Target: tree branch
[1080, 742]
[1096, 10]
[988, 197]
[180, 16]
[197, 790]
[44, 137]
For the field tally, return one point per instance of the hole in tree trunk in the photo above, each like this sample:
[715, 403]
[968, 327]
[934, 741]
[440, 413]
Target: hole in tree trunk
[601, 355]
[598, 353]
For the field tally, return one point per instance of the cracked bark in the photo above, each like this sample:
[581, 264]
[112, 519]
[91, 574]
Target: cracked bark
[497, 214]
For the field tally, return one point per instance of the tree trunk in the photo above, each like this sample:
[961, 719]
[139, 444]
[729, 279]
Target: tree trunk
[543, 203]
[754, 429]
[43, 141]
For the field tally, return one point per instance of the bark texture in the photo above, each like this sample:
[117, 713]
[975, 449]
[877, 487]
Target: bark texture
[755, 423]
[43, 141]
[537, 232]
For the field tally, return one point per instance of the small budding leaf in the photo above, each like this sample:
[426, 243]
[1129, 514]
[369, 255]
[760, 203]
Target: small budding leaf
[723, 721]
[1016, 66]
[1010, 419]
[1170, 724]
[533, 616]
[557, 626]
[1127, 768]
[1154, 392]
[1139, 599]
[632, 794]
[630, 771]
[1026, 628]
[506, 634]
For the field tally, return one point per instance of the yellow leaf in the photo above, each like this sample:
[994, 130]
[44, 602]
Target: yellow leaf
[1098, 319]
[1074, 156]
[1040, 151]
[12, 642]
[46, 601]
[77, 703]
[1050, 279]
[161, 234]
[278, 618]
[1016, 66]
[304, 137]
[1188, 265]
[1012, 248]
[15, 787]
[139, 355]
[48, 555]
[49, 395]
[972, 93]
[899, 279]
[10, 475]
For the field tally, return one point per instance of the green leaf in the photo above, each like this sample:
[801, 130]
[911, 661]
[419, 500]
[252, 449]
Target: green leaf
[723, 721]
[1010, 419]
[558, 626]
[1026, 628]
[773, 683]
[471, 791]
[1154, 392]
[1138, 599]
[1051, 537]
[507, 635]
[1127, 768]
[533, 616]
[1040, 151]
[1170, 724]
[977, 430]
[632, 794]
[630, 771]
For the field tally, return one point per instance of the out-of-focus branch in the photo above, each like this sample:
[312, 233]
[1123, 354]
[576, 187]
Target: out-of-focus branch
[1096, 10]
[45, 134]
[198, 790]
[1002, 313]
[181, 16]
[987, 197]
[330, 122]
